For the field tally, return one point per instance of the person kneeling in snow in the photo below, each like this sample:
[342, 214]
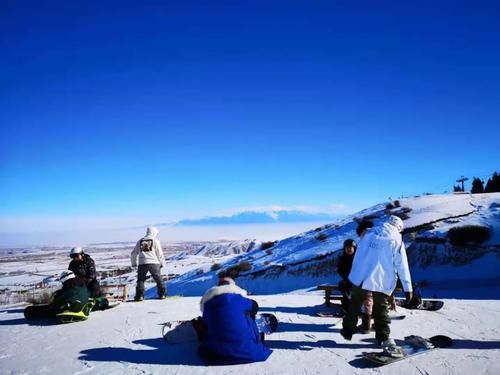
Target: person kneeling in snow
[230, 334]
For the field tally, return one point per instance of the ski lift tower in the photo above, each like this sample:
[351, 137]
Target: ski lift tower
[462, 179]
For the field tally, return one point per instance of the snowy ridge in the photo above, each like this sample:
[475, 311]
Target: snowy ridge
[309, 258]
[228, 248]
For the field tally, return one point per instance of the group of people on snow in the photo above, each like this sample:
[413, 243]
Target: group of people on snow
[80, 285]
[227, 330]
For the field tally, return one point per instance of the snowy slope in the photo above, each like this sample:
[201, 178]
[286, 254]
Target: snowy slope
[127, 339]
[309, 258]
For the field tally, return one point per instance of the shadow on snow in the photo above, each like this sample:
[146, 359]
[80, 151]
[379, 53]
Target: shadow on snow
[162, 354]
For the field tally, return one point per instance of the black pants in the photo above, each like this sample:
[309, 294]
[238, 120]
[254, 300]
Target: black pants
[155, 271]
[345, 289]
[380, 313]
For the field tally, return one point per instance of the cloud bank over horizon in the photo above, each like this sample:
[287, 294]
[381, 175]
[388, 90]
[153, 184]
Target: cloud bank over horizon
[269, 223]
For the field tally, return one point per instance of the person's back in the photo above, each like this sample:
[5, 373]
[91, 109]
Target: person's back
[151, 259]
[74, 293]
[379, 257]
[232, 335]
[148, 249]
[73, 296]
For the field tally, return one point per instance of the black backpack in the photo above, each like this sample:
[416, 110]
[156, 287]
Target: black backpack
[146, 245]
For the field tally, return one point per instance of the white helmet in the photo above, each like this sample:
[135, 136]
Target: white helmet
[66, 275]
[75, 251]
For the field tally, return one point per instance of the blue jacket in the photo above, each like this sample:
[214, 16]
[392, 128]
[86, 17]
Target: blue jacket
[232, 335]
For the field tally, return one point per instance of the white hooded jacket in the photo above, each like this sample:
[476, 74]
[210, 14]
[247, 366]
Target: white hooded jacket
[380, 258]
[155, 256]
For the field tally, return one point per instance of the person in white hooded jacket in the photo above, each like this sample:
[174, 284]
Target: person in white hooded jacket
[148, 250]
[379, 260]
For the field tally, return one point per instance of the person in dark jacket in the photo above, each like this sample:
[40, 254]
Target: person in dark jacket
[343, 269]
[72, 296]
[83, 266]
[231, 336]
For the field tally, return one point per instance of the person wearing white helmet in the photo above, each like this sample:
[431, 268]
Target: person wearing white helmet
[148, 250]
[380, 258]
[84, 266]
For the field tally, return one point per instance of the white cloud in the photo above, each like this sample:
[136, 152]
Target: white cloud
[68, 223]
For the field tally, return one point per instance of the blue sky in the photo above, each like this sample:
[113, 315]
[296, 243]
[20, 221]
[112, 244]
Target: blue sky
[176, 109]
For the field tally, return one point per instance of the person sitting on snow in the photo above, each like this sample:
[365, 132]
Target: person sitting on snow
[73, 296]
[230, 333]
[379, 259]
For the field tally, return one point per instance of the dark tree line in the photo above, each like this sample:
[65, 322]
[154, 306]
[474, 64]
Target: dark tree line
[478, 187]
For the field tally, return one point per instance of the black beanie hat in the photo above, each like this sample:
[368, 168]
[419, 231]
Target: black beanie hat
[350, 242]
[365, 224]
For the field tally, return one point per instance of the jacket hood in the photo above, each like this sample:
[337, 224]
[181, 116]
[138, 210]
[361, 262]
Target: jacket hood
[396, 222]
[386, 230]
[222, 289]
[151, 232]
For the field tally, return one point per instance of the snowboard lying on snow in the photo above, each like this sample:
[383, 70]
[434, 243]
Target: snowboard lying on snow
[412, 346]
[73, 313]
[336, 311]
[427, 305]
[333, 311]
[182, 331]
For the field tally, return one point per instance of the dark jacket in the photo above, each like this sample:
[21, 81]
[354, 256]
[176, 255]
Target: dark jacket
[84, 268]
[344, 266]
[73, 296]
[232, 335]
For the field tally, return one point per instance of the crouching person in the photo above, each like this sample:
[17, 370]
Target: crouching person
[230, 334]
[71, 303]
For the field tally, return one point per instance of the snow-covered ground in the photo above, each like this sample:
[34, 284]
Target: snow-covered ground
[127, 339]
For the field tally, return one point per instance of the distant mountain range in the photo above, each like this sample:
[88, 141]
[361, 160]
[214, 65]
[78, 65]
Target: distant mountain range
[254, 217]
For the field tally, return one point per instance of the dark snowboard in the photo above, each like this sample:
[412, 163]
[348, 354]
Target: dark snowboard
[426, 305]
[38, 312]
[412, 346]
